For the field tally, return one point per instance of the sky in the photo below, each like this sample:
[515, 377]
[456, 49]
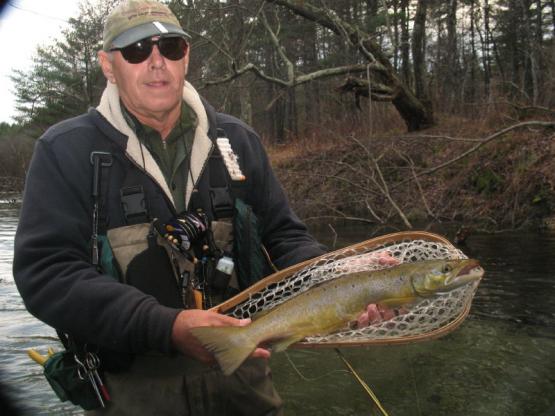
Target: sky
[25, 25]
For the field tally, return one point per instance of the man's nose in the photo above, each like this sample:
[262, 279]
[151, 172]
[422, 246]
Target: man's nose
[156, 60]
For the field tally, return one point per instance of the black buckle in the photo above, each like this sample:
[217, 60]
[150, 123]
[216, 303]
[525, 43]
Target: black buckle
[133, 202]
[222, 204]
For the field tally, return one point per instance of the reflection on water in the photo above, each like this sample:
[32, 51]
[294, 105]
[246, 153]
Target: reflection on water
[483, 368]
[498, 363]
[20, 331]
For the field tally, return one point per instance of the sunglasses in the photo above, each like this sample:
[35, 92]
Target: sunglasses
[173, 48]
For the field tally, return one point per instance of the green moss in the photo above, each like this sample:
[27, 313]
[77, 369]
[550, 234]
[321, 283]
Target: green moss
[486, 181]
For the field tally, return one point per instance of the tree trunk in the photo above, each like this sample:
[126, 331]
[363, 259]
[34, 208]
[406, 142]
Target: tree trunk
[396, 35]
[474, 57]
[405, 45]
[539, 23]
[531, 54]
[419, 50]
[451, 80]
[486, 56]
[311, 90]
[371, 13]
[238, 32]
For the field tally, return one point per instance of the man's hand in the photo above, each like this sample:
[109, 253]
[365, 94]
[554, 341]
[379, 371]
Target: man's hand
[185, 342]
[377, 313]
[381, 258]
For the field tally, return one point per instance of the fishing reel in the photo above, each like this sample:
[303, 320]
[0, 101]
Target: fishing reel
[184, 230]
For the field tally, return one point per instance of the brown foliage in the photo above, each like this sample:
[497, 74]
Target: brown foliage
[507, 183]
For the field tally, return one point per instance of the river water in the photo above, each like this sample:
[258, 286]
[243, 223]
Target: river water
[498, 363]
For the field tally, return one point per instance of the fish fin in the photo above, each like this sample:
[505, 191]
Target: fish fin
[230, 345]
[284, 343]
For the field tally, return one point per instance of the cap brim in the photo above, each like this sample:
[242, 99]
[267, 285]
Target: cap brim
[146, 30]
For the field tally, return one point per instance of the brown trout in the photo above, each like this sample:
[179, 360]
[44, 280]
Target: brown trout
[329, 306]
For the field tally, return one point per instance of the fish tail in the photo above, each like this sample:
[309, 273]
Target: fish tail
[230, 345]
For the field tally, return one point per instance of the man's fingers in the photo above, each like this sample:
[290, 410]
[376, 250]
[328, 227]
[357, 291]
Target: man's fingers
[374, 314]
[224, 320]
[261, 353]
[363, 320]
[386, 313]
[386, 259]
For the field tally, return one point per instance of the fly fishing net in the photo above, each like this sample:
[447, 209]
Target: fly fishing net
[429, 318]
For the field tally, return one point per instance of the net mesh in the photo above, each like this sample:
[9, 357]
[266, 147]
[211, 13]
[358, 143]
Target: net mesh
[423, 318]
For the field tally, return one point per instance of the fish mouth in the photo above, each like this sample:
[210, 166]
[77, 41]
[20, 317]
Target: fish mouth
[471, 272]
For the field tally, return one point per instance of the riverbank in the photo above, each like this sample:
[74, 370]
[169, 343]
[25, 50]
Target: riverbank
[11, 185]
[505, 181]
[11, 189]
[483, 174]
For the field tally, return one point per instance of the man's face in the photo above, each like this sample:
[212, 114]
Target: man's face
[150, 89]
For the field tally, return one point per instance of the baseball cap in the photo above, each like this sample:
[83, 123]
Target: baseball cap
[133, 20]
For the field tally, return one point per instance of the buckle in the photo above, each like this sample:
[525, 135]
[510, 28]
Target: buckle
[133, 203]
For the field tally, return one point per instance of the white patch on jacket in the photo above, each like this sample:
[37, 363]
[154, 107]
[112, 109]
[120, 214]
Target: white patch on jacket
[231, 160]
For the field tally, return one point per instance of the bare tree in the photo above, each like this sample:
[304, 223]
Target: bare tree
[414, 113]
[419, 50]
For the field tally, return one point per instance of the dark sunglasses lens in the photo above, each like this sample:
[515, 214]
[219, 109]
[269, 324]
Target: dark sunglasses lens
[137, 52]
[173, 48]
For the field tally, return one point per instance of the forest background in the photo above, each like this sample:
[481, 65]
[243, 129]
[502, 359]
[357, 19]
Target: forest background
[397, 112]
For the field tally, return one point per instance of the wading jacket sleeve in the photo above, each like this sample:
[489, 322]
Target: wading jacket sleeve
[52, 266]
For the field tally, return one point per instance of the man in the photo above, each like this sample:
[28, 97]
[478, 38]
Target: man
[146, 153]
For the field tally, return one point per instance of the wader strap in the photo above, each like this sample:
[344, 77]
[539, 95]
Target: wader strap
[133, 200]
[100, 162]
[133, 203]
[221, 196]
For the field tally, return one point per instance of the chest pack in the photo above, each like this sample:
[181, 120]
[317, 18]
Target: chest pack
[146, 248]
[223, 254]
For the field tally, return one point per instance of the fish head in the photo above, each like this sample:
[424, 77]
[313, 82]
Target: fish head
[440, 276]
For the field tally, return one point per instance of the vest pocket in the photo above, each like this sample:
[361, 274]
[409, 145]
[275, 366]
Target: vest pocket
[145, 261]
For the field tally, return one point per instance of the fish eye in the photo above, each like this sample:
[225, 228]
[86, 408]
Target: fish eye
[446, 269]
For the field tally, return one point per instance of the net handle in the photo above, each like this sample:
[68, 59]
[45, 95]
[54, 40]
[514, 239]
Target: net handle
[367, 245]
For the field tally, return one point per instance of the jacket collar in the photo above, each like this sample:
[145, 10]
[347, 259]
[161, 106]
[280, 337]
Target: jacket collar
[110, 108]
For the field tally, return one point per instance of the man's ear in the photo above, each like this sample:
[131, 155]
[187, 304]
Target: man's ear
[106, 63]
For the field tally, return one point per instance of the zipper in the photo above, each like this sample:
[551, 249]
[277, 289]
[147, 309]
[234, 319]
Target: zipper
[202, 169]
[173, 209]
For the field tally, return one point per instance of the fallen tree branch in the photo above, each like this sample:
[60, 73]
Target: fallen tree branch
[381, 184]
[440, 136]
[289, 83]
[410, 162]
[526, 110]
[543, 124]
[340, 179]
[341, 217]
